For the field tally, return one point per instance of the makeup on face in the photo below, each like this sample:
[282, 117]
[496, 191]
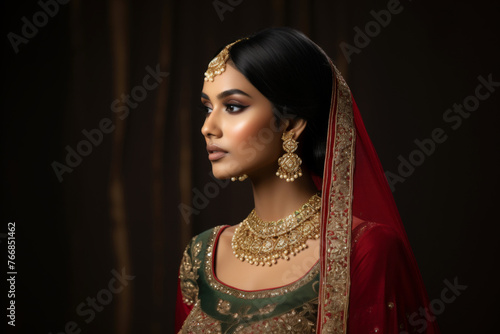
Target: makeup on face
[237, 115]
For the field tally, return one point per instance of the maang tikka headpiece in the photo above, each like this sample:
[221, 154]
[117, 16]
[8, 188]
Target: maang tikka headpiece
[218, 64]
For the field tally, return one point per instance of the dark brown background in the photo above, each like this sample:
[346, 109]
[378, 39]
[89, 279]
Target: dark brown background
[119, 207]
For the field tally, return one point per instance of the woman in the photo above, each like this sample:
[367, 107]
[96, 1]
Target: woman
[324, 250]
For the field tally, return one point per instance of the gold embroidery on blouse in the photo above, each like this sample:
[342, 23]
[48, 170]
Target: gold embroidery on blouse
[223, 306]
[336, 279]
[243, 315]
[199, 322]
[244, 311]
[216, 285]
[188, 273]
[300, 321]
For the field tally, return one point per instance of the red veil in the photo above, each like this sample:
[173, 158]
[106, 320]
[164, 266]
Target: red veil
[370, 282]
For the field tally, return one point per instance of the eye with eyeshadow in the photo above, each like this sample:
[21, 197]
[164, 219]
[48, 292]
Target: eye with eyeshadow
[205, 107]
[228, 98]
[234, 108]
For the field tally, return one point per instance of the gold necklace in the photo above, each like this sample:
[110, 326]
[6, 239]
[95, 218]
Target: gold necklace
[265, 242]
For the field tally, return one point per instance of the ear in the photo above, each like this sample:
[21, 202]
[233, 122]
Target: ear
[297, 125]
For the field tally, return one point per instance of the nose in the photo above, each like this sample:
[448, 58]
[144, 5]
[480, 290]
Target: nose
[211, 127]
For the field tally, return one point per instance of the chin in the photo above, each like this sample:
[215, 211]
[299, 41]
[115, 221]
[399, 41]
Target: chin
[225, 169]
[221, 175]
[225, 173]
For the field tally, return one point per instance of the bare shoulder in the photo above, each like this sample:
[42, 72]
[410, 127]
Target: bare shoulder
[224, 242]
[226, 236]
[229, 231]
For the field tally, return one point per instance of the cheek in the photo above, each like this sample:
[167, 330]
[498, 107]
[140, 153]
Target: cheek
[252, 122]
[256, 139]
[244, 130]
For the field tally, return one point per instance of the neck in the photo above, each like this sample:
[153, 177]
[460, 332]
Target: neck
[275, 198]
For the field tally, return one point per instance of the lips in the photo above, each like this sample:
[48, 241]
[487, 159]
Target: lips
[215, 152]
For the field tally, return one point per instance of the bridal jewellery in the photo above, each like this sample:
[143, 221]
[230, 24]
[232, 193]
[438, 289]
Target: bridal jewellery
[265, 242]
[289, 164]
[239, 178]
[218, 64]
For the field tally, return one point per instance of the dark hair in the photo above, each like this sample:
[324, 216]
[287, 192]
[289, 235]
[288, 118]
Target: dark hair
[295, 75]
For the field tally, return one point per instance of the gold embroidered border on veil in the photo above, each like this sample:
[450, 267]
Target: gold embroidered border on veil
[336, 215]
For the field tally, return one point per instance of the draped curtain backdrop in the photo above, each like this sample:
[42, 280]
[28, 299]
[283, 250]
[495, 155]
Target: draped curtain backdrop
[107, 177]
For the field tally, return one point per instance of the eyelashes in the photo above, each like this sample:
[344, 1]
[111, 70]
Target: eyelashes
[234, 108]
[231, 108]
[204, 109]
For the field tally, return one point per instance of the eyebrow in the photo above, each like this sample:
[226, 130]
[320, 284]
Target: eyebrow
[226, 93]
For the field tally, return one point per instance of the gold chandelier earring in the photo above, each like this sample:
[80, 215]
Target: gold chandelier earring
[289, 164]
[239, 178]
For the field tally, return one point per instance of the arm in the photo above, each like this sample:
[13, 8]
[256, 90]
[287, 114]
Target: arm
[182, 310]
[187, 287]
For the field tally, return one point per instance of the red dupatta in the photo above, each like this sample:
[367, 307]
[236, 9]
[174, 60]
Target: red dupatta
[367, 196]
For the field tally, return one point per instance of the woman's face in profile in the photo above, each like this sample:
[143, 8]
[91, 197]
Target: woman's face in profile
[239, 128]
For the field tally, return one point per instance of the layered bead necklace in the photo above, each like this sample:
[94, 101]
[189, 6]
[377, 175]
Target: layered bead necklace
[265, 242]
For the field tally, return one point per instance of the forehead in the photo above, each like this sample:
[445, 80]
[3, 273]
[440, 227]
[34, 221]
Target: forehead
[231, 78]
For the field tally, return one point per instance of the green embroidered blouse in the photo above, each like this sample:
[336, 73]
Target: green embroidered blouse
[218, 308]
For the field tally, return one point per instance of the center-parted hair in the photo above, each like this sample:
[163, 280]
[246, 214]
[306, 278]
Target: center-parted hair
[295, 75]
